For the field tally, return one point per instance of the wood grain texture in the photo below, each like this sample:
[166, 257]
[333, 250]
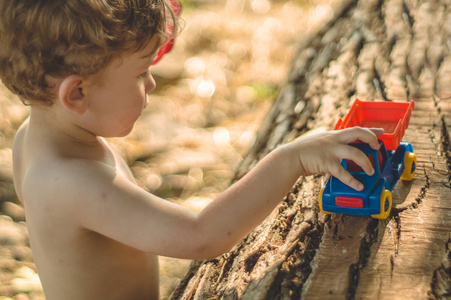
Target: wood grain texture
[394, 50]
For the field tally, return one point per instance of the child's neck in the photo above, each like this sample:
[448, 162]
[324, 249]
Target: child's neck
[60, 127]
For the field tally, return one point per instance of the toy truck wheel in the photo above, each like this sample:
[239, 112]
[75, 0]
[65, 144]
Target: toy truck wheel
[385, 203]
[410, 162]
[320, 200]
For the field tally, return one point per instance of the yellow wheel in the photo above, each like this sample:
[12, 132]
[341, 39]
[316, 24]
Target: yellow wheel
[321, 203]
[410, 163]
[385, 203]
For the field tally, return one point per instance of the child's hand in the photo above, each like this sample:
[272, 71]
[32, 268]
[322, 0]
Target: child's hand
[321, 153]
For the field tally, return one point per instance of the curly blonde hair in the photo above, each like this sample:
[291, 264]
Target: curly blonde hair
[41, 38]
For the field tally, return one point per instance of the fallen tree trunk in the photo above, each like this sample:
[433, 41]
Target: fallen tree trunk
[394, 50]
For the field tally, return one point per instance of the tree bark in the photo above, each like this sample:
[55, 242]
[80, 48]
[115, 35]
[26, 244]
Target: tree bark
[394, 50]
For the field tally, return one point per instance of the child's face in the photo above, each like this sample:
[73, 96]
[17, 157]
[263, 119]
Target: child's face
[119, 96]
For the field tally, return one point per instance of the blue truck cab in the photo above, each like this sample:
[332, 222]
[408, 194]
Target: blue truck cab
[375, 199]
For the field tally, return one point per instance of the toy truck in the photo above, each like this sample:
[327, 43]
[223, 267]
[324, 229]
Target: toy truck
[393, 160]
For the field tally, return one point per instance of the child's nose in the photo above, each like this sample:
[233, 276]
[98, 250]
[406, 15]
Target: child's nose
[149, 84]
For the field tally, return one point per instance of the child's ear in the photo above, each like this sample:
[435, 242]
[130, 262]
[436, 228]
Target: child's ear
[71, 94]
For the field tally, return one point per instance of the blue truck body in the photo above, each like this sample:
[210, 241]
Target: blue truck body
[389, 166]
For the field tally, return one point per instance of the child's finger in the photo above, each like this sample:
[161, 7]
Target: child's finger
[363, 134]
[344, 176]
[357, 156]
[377, 131]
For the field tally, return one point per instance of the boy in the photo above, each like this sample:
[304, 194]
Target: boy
[82, 66]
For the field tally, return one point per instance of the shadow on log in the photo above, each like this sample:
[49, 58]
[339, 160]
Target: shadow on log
[396, 50]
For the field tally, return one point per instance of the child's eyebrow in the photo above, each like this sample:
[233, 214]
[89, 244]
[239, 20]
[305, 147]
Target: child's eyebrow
[145, 60]
[153, 52]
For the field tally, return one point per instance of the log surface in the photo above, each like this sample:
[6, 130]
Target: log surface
[394, 50]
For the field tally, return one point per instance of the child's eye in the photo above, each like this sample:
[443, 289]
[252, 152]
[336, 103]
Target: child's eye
[145, 74]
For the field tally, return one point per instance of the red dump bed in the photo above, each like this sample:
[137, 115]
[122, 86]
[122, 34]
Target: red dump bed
[392, 116]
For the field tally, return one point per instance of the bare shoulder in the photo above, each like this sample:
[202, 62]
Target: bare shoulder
[18, 167]
[66, 183]
[21, 131]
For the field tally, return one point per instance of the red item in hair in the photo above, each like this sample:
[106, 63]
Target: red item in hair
[177, 8]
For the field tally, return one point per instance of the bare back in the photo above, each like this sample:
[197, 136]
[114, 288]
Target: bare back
[73, 262]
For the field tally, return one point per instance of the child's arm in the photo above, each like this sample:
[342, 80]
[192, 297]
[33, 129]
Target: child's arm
[112, 205]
